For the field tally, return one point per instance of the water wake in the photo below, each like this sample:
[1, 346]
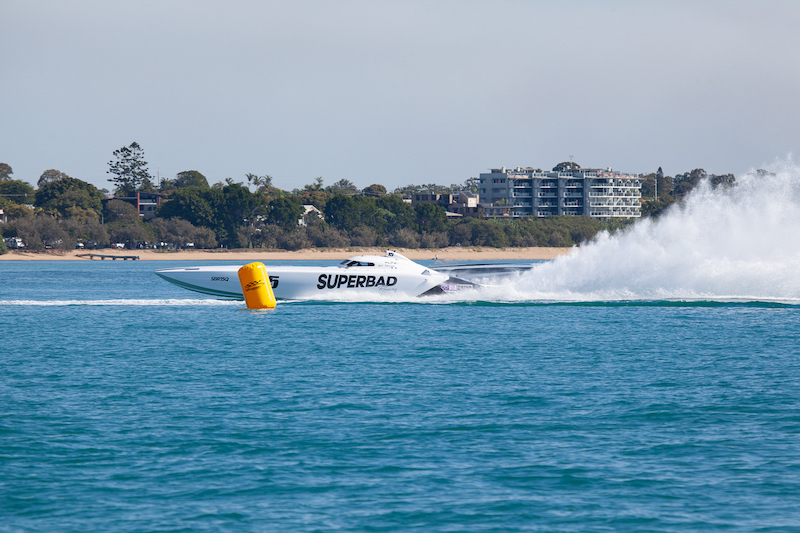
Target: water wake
[741, 243]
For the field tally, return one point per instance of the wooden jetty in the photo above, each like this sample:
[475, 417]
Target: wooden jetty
[109, 256]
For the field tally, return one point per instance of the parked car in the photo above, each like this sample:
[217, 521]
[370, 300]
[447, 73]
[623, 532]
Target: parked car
[14, 243]
[118, 246]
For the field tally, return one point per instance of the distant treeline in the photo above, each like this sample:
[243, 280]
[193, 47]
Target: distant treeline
[234, 217]
[671, 190]
[63, 211]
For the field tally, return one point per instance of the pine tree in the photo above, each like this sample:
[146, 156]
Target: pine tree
[130, 170]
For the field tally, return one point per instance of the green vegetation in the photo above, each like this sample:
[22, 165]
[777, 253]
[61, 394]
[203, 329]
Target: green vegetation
[65, 212]
[130, 170]
[672, 190]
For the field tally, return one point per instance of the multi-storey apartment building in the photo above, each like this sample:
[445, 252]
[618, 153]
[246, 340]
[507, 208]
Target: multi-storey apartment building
[528, 192]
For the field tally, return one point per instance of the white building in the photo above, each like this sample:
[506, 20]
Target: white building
[527, 192]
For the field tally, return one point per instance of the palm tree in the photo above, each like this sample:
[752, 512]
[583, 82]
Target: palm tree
[263, 183]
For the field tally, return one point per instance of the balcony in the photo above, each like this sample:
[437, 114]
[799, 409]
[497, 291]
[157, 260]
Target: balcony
[547, 195]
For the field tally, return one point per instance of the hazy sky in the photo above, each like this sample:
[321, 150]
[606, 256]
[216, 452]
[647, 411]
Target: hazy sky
[396, 92]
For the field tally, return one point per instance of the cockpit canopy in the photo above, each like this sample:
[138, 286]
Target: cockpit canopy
[391, 260]
[355, 263]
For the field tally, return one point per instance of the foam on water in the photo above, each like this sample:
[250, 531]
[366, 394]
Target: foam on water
[741, 243]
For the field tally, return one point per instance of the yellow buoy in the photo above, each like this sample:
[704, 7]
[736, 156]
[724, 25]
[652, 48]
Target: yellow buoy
[256, 286]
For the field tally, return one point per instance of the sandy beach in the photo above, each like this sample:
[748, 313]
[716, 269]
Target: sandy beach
[445, 254]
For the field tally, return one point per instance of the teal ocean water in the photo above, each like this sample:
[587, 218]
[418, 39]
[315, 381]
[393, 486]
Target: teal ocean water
[650, 382]
[129, 404]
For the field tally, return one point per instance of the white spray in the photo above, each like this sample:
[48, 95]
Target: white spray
[736, 243]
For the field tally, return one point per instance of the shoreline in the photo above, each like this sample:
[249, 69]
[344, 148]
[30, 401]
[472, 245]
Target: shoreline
[309, 254]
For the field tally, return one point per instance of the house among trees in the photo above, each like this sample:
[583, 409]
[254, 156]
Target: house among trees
[145, 203]
[310, 210]
[460, 204]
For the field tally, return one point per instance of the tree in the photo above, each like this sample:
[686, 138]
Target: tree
[431, 217]
[90, 231]
[566, 166]
[471, 185]
[324, 236]
[42, 232]
[238, 207]
[408, 190]
[404, 238]
[222, 209]
[190, 178]
[363, 236]
[284, 212]
[347, 212]
[63, 194]
[262, 183]
[374, 190]
[15, 211]
[130, 170]
[16, 191]
[316, 186]
[724, 180]
[316, 198]
[344, 187]
[192, 204]
[5, 172]
[397, 214]
[49, 176]
[120, 211]
[434, 188]
[130, 233]
[180, 232]
[664, 185]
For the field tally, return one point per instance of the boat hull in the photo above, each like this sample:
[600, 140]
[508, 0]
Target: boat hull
[317, 283]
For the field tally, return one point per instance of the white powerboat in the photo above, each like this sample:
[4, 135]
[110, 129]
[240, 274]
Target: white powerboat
[363, 276]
